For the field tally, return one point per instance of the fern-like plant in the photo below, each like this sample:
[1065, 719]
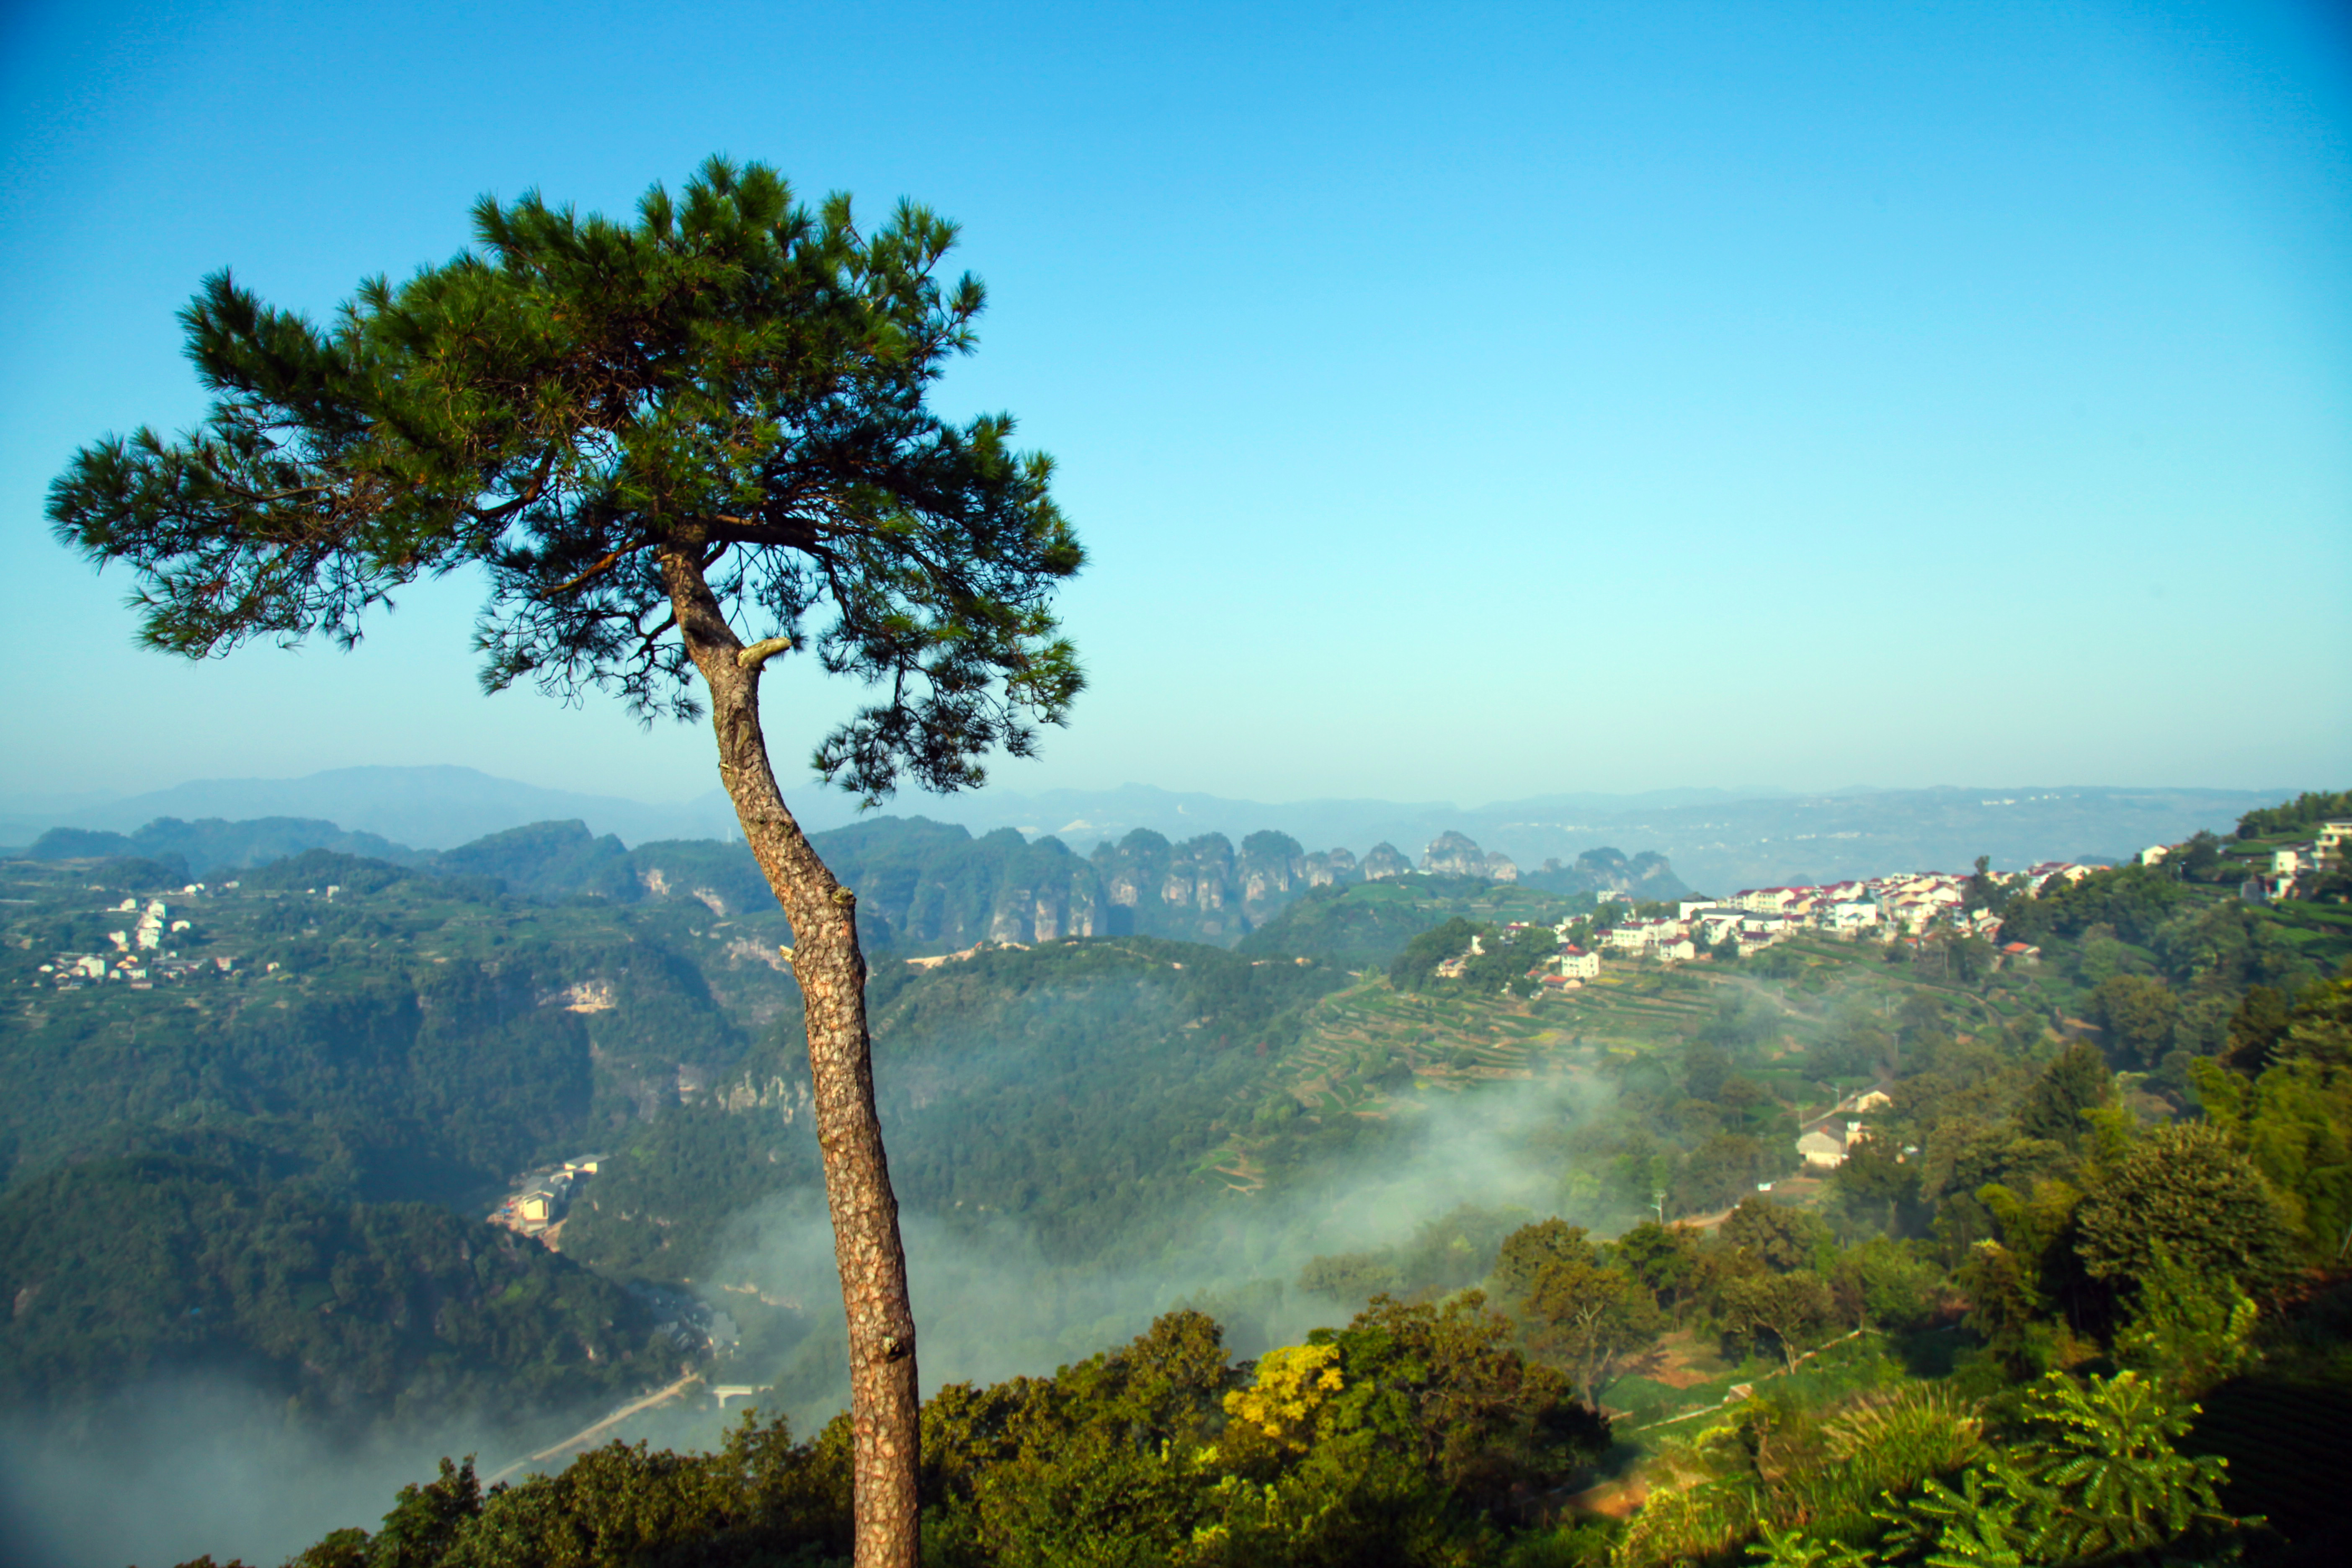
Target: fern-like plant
[1977, 1524]
[2104, 1452]
[2095, 1479]
[1901, 1436]
[1792, 1548]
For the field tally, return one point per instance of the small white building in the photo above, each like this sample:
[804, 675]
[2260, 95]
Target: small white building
[1850, 915]
[1822, 1150]
[1575, 964]
[1716, 926]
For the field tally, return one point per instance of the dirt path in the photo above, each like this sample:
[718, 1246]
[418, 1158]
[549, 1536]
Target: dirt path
[1741, 1391]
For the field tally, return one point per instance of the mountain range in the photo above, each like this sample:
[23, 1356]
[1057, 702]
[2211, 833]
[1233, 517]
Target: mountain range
[1717, 839]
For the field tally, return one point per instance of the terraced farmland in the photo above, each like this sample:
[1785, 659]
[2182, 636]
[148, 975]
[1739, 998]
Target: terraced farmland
[1364, 1047]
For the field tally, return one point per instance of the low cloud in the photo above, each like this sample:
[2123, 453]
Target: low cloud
[178, 1467]
[990, 1303]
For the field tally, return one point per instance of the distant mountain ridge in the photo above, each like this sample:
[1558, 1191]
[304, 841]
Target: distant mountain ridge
[1719, 839]
[434, 807]
[924, 886]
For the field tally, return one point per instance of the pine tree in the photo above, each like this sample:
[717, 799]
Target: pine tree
[679, 448]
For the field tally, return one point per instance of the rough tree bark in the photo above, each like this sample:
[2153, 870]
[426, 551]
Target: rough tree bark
[885, 1408]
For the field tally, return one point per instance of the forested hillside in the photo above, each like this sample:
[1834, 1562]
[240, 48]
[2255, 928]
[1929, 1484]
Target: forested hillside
[2104, 1183]
[354, 1314]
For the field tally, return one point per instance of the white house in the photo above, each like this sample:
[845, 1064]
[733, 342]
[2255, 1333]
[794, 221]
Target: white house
[1716, 925]
[1851, 915]
[1820, 1149]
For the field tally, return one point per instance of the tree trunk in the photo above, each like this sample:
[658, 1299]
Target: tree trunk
[885, 1408]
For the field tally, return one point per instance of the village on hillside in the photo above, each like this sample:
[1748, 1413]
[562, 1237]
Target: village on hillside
[1912, 908]
[1907, 907]
[141, 954]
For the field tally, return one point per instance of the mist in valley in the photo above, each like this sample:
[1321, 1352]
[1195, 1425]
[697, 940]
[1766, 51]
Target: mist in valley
[181, 1466]
[992, 1302]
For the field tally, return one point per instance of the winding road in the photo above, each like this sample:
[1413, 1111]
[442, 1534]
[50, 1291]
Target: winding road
[583, 1438]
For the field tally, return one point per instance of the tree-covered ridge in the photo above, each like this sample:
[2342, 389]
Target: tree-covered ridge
[211, 846]
[354, 1313]
[426, 1035]
[1077, 1089]
[1365, 925]
[2304, 812]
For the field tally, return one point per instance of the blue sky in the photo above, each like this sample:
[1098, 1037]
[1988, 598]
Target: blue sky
[1458, 402]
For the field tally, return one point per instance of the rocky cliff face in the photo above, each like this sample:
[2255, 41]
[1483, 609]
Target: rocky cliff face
[1454, 855]
[1049, 901]
[1191, 891]
[930, 888]
[1326, 868]
[1272, 871]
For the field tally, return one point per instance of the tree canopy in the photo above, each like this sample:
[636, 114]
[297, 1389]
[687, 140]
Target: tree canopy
[732, 374]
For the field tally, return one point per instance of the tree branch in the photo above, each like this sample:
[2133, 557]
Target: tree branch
[759, 652]
[611, 559]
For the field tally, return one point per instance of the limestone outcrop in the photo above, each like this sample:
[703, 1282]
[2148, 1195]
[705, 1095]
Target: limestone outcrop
[1457, 854]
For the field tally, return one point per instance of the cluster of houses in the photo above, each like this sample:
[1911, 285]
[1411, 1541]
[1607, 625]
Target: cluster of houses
[1907, 906]
[542, 1197]
[139, 956]
[2291, 862]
